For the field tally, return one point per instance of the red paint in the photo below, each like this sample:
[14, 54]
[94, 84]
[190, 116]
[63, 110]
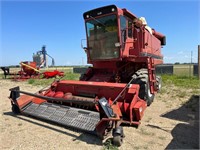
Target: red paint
[28, 71]
[51, 74]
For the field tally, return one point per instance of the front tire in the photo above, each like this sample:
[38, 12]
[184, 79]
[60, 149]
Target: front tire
[141, 78]
[158, 83]
[117, 140]
[149, 97]
[118, 135]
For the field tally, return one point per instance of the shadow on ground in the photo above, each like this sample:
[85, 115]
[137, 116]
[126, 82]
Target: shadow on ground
[85, 137]
[185, 135]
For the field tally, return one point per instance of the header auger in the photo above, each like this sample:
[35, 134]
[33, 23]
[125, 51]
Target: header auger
[116, 90]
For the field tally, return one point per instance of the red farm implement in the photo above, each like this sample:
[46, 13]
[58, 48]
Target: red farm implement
[29, 70]
[116, 90]
[51, 74]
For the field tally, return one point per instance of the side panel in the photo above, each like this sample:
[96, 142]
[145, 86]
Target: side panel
[152, 44]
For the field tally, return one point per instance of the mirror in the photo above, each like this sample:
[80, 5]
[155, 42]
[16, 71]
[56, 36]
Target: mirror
[84, 46]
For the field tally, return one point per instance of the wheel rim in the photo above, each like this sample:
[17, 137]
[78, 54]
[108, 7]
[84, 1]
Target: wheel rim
[159, 86]
[149, 92]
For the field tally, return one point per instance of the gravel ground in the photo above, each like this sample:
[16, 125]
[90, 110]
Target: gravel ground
[171, 122]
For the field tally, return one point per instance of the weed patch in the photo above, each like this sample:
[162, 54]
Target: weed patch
[31, 81]
[181, 94]
[108, 145]
[162, 138]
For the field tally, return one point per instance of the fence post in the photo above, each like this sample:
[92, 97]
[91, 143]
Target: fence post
[199, 61]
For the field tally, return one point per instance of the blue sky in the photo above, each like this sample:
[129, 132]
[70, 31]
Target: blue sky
[27, 26]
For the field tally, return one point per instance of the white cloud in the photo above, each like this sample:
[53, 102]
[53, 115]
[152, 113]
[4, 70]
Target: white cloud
[180, 52]
[168, 57]
[186, 56]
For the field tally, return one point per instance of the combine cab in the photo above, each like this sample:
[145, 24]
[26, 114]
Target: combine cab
[116, 90]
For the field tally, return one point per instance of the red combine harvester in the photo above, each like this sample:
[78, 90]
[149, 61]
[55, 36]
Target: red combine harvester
[116, 90]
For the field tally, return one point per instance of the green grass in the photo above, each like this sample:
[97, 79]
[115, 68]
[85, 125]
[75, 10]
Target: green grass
[31, 81]
[2, 76]
[181, 81]
[109, 146]
[71, 76]
[181, 94]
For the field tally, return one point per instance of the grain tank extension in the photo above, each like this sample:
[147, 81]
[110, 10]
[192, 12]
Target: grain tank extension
[123, 50]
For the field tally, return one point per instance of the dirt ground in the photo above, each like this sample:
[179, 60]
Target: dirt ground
[171, 122]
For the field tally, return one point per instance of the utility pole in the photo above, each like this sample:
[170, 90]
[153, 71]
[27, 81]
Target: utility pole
[199, 61]
[82, 61]
[191, 66]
